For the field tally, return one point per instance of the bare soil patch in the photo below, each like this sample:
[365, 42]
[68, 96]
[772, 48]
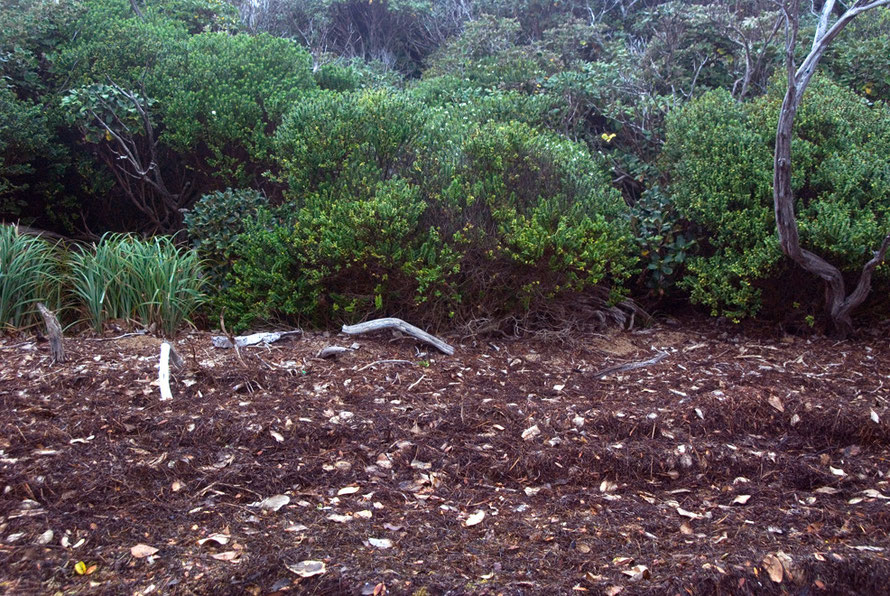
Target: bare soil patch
[738, 464]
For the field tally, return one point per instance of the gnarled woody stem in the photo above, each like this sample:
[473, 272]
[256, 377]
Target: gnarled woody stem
[840, 305]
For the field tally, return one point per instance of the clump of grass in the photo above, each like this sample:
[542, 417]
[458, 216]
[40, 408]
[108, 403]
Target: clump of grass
[148, 281]
[29, 273]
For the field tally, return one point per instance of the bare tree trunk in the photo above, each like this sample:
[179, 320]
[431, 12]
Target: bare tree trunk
[840, 305]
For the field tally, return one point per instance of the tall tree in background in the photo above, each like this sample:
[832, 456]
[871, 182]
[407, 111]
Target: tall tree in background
[840, 304]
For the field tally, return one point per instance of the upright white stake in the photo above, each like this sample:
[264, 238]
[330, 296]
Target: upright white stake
[164, 372]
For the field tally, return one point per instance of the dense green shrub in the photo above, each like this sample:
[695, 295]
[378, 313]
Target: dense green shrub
[29, 273]
[393, 207]
[719, 156]
[228, 93]
[215, 222]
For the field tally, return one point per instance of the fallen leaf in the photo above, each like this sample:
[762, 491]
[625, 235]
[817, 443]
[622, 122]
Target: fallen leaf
[308, 568]
[613, 590]
[637, 572]
[380, 542]
[874, 494]
[220, 539]
[277, 436]
[619, 561]
[607, 486]
[80, 568]
[273, 503]
[775, 402]
[837, 471]
[229, 555]
[475, 518]
[827, 490]
[875, 418]
[140, 551]
[348, 490]
[530, 433]
[686, 529]
[340, 519]
[296, 528]
[774, 568]
[741, 499]
[688, 514]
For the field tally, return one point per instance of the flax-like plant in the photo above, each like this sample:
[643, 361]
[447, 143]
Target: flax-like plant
[148, 281]
[29, 273]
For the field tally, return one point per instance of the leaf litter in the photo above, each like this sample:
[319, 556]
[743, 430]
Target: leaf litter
[738, 461]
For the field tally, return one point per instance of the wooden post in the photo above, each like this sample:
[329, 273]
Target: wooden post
[54, 331]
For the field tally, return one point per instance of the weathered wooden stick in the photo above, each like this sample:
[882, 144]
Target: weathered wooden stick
[630, 366]
[54, 330]
[164, 372]
[331, 352]
[393, 323]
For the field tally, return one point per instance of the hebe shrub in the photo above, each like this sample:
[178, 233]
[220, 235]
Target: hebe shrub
[719, 155]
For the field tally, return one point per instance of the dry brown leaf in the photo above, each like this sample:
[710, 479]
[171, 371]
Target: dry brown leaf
[741, 499]
[231, 556]
[140, 551]
[308, 568]
[220, 539]
[637, 572]
[775, 402]
[475, 518]
[774, 568]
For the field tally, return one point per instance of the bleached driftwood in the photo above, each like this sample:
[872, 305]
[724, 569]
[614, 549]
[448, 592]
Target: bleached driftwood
[242, 341]
[393, 323]
[630, 366]
[164, 372]
[331, 352]
[54, 331]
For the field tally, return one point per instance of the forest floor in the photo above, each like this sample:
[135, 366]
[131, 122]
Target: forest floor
[738, 464]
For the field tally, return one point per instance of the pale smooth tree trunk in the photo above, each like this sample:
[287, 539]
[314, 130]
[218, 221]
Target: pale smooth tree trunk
[840, 305]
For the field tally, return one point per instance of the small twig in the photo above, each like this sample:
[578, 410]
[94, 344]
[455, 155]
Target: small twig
[384, 362]
[222, 326]
[630, 366]
[415, 383]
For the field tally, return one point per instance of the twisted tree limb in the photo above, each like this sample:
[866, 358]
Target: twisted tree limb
[393, 323]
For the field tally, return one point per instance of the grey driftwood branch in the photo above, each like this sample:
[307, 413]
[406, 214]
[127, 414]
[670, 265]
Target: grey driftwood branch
[630, 366]
[407, 328]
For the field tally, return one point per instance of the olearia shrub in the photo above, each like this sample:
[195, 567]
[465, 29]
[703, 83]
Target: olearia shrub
[395, 208]
[719, 156]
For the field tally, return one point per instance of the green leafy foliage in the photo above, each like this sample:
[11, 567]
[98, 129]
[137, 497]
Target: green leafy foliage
[228, 93]
[393, 207]
[214, 224]
[662, 240]
[719, 155]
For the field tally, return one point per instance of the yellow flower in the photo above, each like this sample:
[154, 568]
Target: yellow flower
[607, 137]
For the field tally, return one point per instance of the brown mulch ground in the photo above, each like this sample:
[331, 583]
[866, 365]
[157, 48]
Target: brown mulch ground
[738, 464]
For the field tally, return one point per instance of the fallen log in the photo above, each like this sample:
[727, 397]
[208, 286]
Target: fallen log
[407, 328]
[54, 331]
